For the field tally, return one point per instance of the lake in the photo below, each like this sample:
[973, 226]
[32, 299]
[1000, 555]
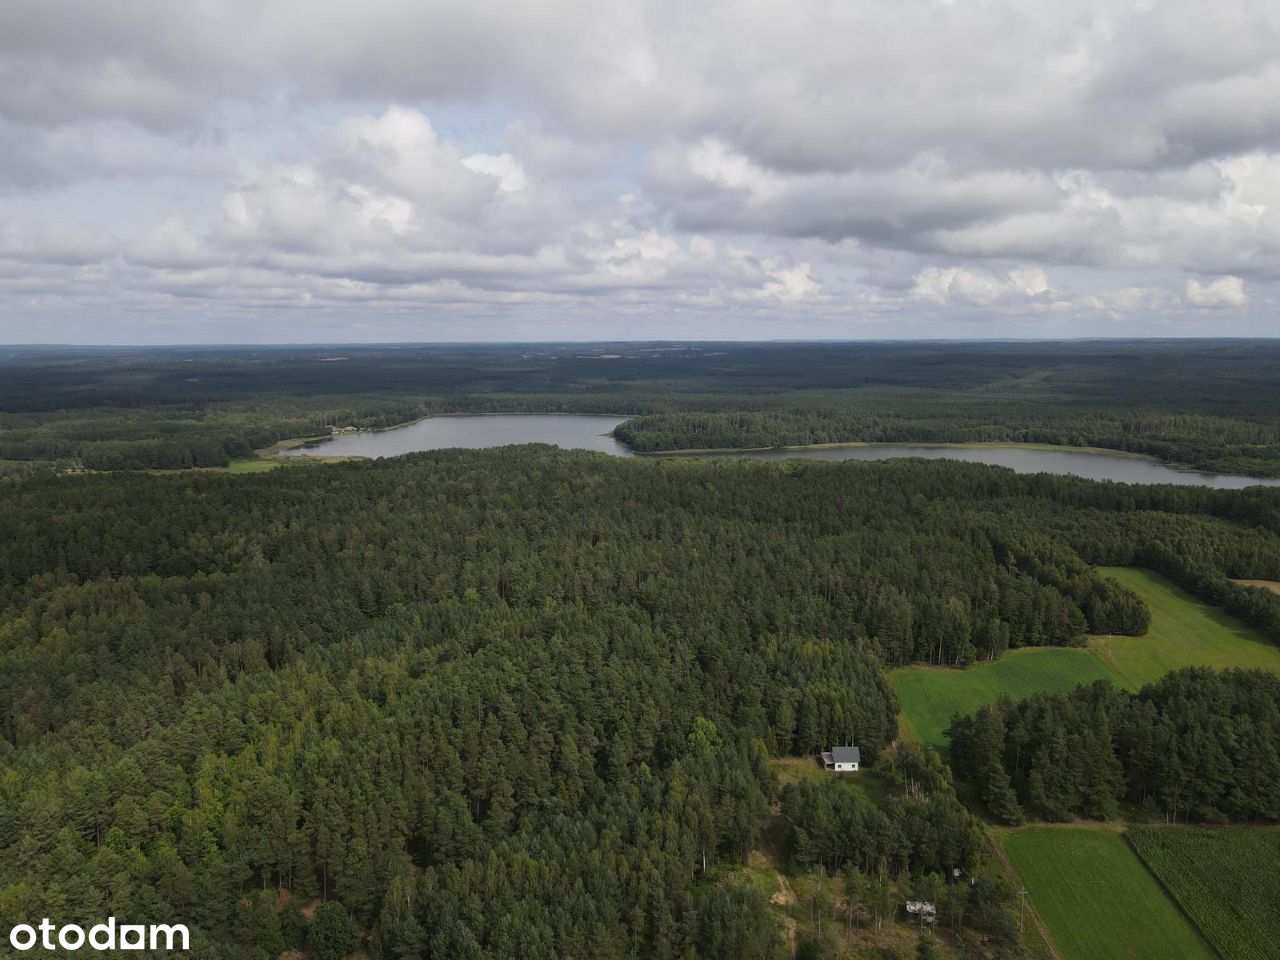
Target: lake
[582, 432]
[571, 431]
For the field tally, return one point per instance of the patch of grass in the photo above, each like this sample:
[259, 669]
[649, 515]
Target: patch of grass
[931, 696]
[247, 465]
[1224, 879]
[871, 782]
[1184, 633]
[1096, 898]
[761, 874]
[795, 769]
[254, 465]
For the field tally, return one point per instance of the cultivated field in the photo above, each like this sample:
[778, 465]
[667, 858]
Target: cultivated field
[1184, 633]
[931, 696]
[1224, 879]
[1096, 898]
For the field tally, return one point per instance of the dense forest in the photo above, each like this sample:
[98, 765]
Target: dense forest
[1208, 404]
[521, 702]
[1196, 745]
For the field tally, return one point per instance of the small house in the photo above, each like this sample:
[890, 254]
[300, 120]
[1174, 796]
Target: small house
[842, 759]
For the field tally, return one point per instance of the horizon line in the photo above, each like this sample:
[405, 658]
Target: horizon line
[780, 341]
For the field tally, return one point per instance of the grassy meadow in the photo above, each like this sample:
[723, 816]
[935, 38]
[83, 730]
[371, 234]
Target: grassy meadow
[1224, 879]
[253, 465]
[931, 696]
[1096, 898]
[1184, 633]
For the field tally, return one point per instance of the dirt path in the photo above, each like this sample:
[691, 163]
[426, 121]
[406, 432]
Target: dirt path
[784, 896]
[788, 926]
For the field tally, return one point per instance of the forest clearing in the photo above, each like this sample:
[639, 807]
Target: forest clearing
[1184, 632]
[931, 696]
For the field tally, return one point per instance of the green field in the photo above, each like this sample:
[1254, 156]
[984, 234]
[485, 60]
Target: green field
[252, 465]
[1096, 898]
[1184, 633]
[931, 696]
[1224, 879]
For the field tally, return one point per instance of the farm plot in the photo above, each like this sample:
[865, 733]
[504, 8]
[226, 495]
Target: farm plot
[1096, 898]
[1224, 879]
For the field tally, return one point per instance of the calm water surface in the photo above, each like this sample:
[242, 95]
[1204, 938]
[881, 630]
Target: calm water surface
[498, 430]
[574, 432]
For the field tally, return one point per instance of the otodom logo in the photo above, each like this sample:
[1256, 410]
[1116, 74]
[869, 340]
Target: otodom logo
[108, 935]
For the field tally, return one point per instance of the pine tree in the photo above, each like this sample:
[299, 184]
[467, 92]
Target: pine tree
[927, 947]
[333, 933]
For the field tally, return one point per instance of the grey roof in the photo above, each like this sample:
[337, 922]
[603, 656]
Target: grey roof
[846, 755]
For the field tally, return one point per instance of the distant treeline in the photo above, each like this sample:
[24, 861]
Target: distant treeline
[1209, 404]
[178, 438]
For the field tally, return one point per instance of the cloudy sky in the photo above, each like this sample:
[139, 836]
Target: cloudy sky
[389, 170]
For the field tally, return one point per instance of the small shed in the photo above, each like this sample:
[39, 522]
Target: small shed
[842, 759]
[922, 910]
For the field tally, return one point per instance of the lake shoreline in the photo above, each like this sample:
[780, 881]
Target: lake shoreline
[801, 448]
[931, 444]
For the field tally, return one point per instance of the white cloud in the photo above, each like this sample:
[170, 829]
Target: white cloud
[387, 213]
[1222, 292]
[1126, 301]
[503, 167]
[980, 288]
[792, 284]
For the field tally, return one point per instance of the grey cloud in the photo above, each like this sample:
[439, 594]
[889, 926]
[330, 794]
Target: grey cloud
[63, 244]
[35, 156]
[822, 161]
[711, 188]
[824, 85]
